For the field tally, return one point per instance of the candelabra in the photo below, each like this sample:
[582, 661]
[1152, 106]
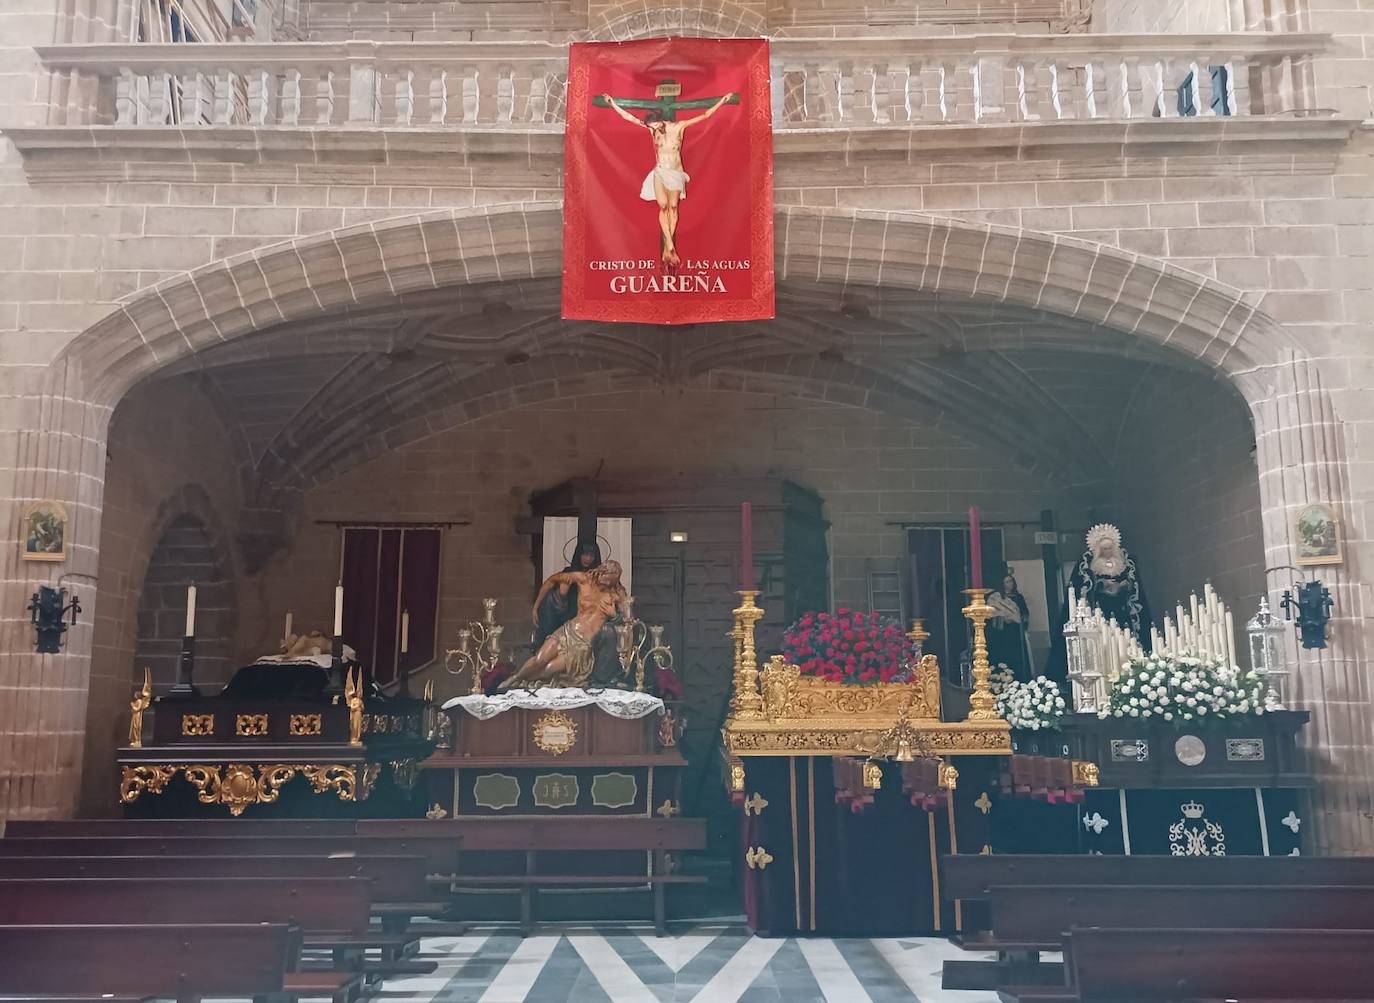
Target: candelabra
[639, 646]
[747, 702]
[479, 647]
[981, 702]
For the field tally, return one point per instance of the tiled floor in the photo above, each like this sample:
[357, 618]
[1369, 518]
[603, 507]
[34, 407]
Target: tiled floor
[709, 963]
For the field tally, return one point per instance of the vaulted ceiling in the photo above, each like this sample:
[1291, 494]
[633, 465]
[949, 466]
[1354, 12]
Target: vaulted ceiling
[308, 400]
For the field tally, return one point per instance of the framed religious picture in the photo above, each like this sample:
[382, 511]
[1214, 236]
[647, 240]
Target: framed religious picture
[43, 532]
[1318, 536]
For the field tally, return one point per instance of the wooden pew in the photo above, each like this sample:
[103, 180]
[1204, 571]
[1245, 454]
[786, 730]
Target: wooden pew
[441, 855]
[969, 876]
[181, 827]
[1192, 964]
[331, 913]
[1039, 917]
[178, 962]
[533, 836]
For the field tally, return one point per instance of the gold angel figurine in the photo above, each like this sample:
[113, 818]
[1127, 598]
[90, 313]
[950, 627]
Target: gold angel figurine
[353, 697]
[142, 700]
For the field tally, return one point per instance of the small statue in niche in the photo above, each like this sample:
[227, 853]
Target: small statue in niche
[143, 699]
[667, 730]
[567, 658]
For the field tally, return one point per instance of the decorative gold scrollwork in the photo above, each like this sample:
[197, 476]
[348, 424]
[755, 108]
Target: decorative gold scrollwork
[368, 780]
[1085, 773]
[755, 804]
[873, 775]
[780, 683]
[757, 857]
[195, 725]
[137, 779]
[250, 725]
[305, 724]
[555, 732]
[948, 777]
[206, 780]
[343, 780]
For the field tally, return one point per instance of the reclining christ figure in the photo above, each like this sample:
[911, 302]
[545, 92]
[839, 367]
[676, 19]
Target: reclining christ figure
[566, 658]
[666, 184]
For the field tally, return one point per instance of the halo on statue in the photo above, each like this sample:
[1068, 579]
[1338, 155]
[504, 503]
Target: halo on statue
[602, 544]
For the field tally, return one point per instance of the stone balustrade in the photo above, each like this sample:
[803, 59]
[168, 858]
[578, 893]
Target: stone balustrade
[817, 83]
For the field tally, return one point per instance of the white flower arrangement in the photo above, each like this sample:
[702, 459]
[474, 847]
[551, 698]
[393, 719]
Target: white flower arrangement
[1182, 689]
[1034, 705]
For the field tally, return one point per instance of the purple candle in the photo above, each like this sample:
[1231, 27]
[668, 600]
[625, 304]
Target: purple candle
[975, 546]
[746, 546]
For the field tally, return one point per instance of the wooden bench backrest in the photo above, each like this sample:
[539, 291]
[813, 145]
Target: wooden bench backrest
[169, 961]
[394, 879]
[969, 876]
[440, 854]
[314, 904]
[618, 833]
[1181, 964]
[181, 827]
[1042, 913]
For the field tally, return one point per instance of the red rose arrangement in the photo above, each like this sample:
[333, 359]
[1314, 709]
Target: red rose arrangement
[848, 646]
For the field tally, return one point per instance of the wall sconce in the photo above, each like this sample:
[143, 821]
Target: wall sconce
[1313, 605]
[677, 536]
[48, 610]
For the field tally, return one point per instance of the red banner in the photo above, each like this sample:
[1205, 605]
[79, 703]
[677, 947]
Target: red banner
[651, 123]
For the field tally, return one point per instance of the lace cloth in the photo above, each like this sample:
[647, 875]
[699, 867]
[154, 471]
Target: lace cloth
[625, 704]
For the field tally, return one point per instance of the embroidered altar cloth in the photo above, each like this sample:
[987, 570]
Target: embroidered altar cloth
[627, 704]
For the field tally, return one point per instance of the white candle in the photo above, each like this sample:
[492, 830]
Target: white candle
[190, 611]
[287, 635]
[405, 631]
[1192, 604]
[1230, 639]
[338, 609]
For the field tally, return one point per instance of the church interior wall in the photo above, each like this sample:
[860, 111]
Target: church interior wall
[873, 471]
[1186, 493]
[156, 471]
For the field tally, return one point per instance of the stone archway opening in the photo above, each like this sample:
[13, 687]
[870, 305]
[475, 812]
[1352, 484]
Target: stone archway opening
[379, 337]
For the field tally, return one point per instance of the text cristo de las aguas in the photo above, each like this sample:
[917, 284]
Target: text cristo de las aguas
[643, 276]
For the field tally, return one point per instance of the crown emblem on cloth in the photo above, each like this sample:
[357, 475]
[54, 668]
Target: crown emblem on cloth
[1191, 809]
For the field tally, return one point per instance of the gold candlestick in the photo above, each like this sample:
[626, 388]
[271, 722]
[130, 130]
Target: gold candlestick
[982, 706]
[746, 701]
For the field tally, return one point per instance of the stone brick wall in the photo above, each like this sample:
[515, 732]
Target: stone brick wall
[159, 474]
[1187, 491]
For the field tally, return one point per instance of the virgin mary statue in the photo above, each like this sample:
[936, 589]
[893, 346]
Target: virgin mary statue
[1107, 577]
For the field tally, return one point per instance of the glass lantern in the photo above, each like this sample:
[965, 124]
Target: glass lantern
[1269, 650]
[1080, 645]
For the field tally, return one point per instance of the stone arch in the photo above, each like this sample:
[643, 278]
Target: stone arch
[855, 256]
[623, 21]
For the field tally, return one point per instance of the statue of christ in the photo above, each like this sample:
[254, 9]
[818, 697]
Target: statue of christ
[666, 184]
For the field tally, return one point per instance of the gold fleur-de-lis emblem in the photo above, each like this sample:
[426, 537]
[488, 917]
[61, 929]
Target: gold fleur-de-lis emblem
[757, 857]
[755, 804]
[984, 803]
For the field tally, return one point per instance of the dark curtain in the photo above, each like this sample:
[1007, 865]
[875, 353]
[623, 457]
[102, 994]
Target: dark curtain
[939, 559]
[385, 572]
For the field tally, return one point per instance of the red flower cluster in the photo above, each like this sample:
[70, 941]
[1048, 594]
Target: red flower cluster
[848, 646]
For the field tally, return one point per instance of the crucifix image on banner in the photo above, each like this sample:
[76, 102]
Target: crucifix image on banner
[650, 123]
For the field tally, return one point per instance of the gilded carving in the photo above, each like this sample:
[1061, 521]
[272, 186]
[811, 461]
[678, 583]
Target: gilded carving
[755, 804]
[984, 803]
[667, 809]
[305, 724]
[436, 812]
[1084, 774]
[838, 738]
[142, 700]
[137, 779]
[757, 857]
[737, 777]
[342, 780]
[250, 725]
[555, 732]
[197, 725]
[353, 698]
[780, 684]
[873, 775]
[948, 777]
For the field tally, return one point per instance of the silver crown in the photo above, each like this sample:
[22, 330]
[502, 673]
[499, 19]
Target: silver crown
[1191, 809]
[1103, 531]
